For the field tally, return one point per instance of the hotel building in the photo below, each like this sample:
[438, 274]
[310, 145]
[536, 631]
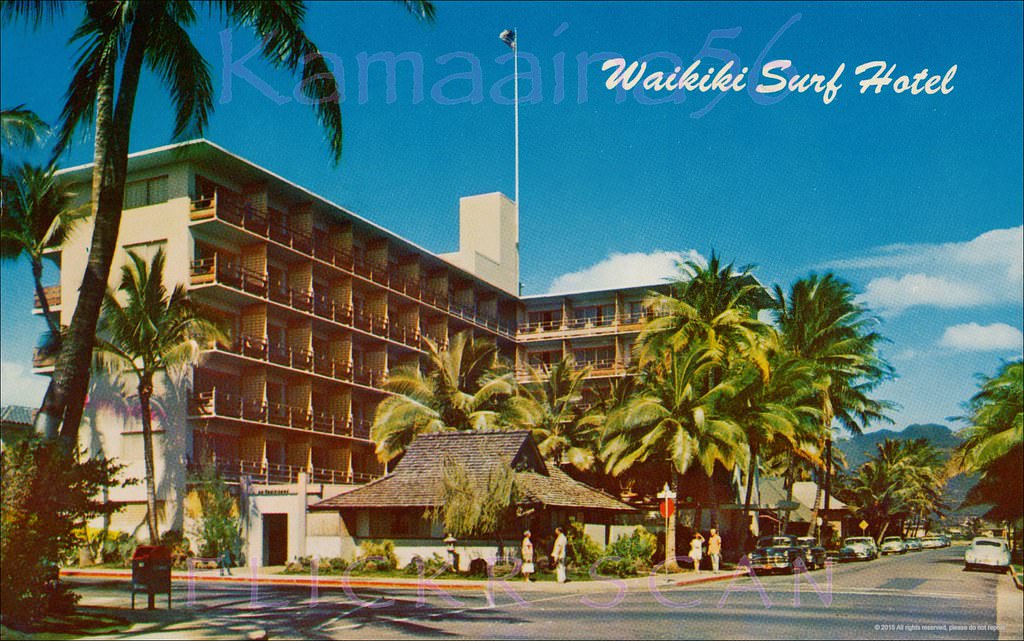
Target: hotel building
[320, 304]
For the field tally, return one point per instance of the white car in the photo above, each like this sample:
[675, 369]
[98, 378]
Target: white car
[893, 545]
[987, 552]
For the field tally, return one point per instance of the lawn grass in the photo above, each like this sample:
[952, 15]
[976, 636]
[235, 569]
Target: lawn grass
[1018, 570]
[72, 626]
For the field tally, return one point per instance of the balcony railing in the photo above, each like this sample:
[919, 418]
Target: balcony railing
[278, 473]
[43, 360]
[609, 367]
[216, 403]
[52, 294]
[584, 323]
[213, 270]
[299, 359]
[249, 218]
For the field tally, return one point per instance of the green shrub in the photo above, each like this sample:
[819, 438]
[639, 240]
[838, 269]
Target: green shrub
[634, 553]
[430, 566]
[581, 551]
[45, 496]
[384, 551]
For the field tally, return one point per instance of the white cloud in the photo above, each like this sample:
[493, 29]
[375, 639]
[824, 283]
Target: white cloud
[624, 270]
[986, 270]
[892, 294]
[19, 386]
[972, 337]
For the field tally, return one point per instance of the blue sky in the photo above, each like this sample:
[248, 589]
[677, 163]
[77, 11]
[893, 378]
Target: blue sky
[917, 199]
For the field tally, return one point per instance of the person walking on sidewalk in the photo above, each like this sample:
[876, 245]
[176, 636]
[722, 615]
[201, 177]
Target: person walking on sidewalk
[697, 550]
[225, 562]
[558, 554]
[715, 550]
[527, 556]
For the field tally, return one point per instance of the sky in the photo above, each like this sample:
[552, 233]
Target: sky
[915, 199]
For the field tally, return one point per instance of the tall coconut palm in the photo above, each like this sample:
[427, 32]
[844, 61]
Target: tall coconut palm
[994, 444]
[118, 40]
[770, 411]
[143, 331]
[548, 405]
[36, 214]
[674, 417]
[464, 388]
[714, 305]
[821, 323]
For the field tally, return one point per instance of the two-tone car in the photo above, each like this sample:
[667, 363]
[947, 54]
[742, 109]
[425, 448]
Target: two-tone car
[987, 552]
[932, 542]
[892, 545]
[779, 553]
[858, 548]
[913, 544]
[814, 554]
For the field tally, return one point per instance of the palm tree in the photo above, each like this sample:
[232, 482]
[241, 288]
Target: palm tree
[994, 444]
[549, 406]
[674, 417]
[36, 214]
[820, 322]
[150, 332]
[118, 39]
[22, 127]
[464, 388]
[713, 305]
[770, 411]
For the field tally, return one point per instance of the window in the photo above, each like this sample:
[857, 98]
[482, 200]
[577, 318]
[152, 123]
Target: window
[145, 192]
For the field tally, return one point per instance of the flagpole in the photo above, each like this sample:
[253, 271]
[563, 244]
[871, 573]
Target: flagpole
[515, 67]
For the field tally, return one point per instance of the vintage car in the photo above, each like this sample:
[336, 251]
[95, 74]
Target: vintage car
[814, 554]
[913, 544]
[932, 541]
[776, 553]
[987, 552]
[893, 545]
[858, 548]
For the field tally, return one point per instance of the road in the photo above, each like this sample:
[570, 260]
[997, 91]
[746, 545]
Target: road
[922, 595]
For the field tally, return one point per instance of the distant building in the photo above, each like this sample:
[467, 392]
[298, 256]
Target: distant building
[15, 422]
[772, 503]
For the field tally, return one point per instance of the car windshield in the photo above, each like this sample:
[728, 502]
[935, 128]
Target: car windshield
[858, 540]
[891, 539]
[994, 544]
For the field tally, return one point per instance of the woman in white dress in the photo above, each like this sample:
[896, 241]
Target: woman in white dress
[696, 550]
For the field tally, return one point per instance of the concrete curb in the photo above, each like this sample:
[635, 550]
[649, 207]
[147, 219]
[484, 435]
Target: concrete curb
[1016, 581]
[304, 581]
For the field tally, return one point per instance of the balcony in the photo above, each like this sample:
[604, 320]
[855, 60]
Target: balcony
[248, 218]
[279, 474]
[42, 361]
[598, 369]
[216, 271]
[582, 327]
[260, 349]
[52, 295]
[216, 403]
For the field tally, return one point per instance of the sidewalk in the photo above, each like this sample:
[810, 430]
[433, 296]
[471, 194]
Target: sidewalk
[244, 576]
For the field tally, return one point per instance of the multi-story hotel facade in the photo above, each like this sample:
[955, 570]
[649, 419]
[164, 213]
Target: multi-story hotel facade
[320, 304]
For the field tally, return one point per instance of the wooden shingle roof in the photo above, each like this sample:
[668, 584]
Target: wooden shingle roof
[416, 480]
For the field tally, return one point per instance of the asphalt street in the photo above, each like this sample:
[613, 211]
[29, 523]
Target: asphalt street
[922, 595]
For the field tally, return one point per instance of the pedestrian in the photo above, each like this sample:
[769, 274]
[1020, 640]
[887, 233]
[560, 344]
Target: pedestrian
[527, 556]
[696, 550]
[715, 550]
[558, 554]
[225, 562]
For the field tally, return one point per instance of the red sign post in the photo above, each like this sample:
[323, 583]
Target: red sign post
[667, 508]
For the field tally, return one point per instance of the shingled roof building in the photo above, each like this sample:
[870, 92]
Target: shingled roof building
[397, 506]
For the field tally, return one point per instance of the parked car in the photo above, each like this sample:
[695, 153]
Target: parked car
[946, 541]
[987, 552]
[814, 554]
[893, 545]
[913, 544]
[932, 541]
[776, 553]
[858, 548]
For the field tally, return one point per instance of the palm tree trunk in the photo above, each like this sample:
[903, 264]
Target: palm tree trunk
[145, 392]
[814, 510]
[37, 277]
[670, 525]
[70, 381]
[751, 468]
[790, 479]
[104, 115]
